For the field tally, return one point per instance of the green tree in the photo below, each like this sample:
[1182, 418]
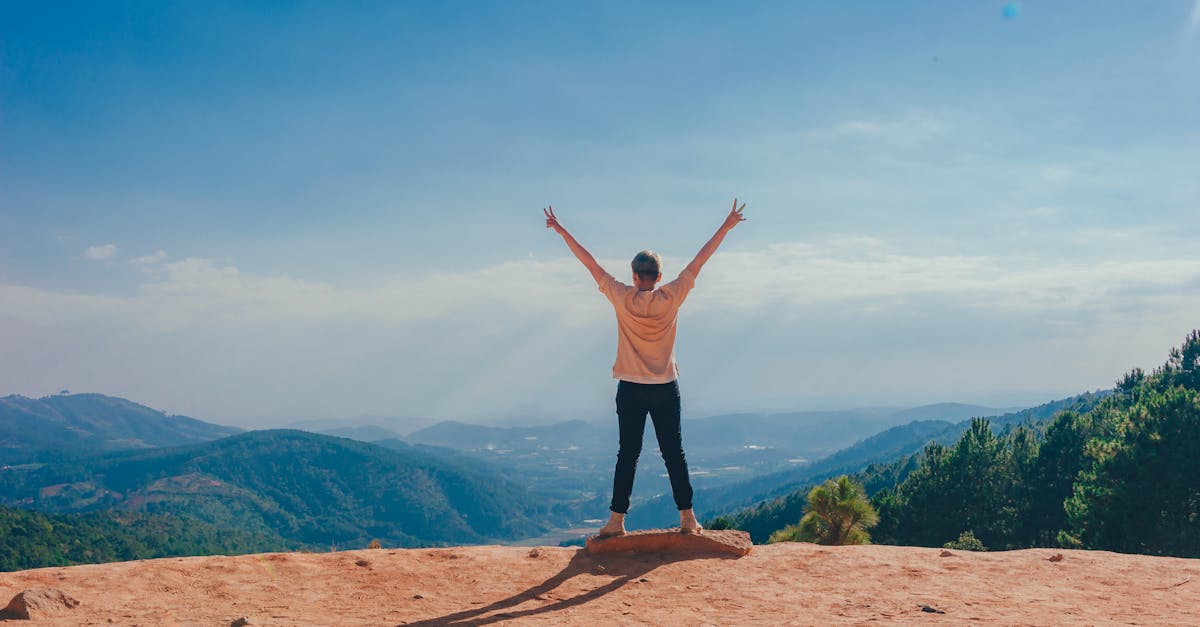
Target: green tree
[968, 486]
[838, 513]
[1023, 447]
[1140, 492]
[1183, 364]
[1051, 479]
[1139, 487]
[889, 505]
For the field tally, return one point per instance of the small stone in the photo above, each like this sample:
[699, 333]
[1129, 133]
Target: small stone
[362, 563]
[598, 569]
[945, 553]
[1057, 557]
[535, 552]
[418, 596]
[643, 580]
[240, 622]
[932, 610]
[37, 603]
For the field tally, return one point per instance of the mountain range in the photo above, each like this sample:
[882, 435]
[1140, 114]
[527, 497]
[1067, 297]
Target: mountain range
[449, 483]
[573, 460]
[880, 461]
[308, 488]
[71, 424]
[883, 447]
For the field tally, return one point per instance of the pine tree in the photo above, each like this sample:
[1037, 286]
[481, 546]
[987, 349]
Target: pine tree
[1141, 491]
[969, 486]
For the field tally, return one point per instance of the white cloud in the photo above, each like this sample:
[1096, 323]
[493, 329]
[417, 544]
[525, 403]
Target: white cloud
[908, 129]
[858, 128]
[100, 253]
[536, 332]
[157, 257]
[867, 271]
[860, 269]
[1040, 212]
[1057, 172]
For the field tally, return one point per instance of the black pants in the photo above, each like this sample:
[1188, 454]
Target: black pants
[661, 401]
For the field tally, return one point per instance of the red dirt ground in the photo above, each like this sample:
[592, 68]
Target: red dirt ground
[800, 584]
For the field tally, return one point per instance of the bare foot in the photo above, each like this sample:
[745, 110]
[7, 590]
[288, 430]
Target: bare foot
[688, 522]
[614, 527]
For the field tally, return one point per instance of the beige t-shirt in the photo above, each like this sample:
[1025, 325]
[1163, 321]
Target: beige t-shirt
[646, 328]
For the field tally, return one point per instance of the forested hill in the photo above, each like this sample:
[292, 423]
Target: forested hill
[31, 539]
[1124, 476]
[1119, 472]
[68, 424]
[308, 488]
[879, 462]
[884, 447]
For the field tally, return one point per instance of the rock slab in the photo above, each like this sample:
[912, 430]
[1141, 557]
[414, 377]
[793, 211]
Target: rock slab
[725, 541]
[38, 603]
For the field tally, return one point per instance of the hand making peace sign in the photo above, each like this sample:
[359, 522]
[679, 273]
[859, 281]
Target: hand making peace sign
[735, 216]
[552, 220]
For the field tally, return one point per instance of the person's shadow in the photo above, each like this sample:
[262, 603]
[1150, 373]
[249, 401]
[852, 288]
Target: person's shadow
[625, 567]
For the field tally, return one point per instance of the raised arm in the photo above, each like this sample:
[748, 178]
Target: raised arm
[580, 252]
[710, 247]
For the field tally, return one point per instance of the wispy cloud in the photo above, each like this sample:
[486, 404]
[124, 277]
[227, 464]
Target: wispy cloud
[862, 271]
[1043, 211]
[101, 252]
[858, 269]
[907, 129]
[157, 257]
[537, 332]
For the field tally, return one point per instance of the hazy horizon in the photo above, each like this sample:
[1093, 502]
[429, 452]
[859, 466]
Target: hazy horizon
[254, 214]
[404, 425]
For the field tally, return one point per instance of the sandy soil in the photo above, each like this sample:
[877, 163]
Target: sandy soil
[799, 584]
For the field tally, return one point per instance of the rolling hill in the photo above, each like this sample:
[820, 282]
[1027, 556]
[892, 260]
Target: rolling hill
[885, 447]
[572, 461]
[30, 539]
[54, 427]
[308, 488]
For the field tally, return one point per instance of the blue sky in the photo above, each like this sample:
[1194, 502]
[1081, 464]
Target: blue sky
[297, 210]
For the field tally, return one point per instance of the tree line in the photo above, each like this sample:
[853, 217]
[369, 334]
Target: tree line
[30, 539]
[1122, 476]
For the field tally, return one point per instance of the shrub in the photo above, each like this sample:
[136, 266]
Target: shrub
[966, 542]
[838, 513]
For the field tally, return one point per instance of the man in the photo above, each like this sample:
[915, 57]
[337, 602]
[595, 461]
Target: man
[645, 367]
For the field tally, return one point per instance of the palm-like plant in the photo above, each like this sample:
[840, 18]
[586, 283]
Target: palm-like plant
[838, 513]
